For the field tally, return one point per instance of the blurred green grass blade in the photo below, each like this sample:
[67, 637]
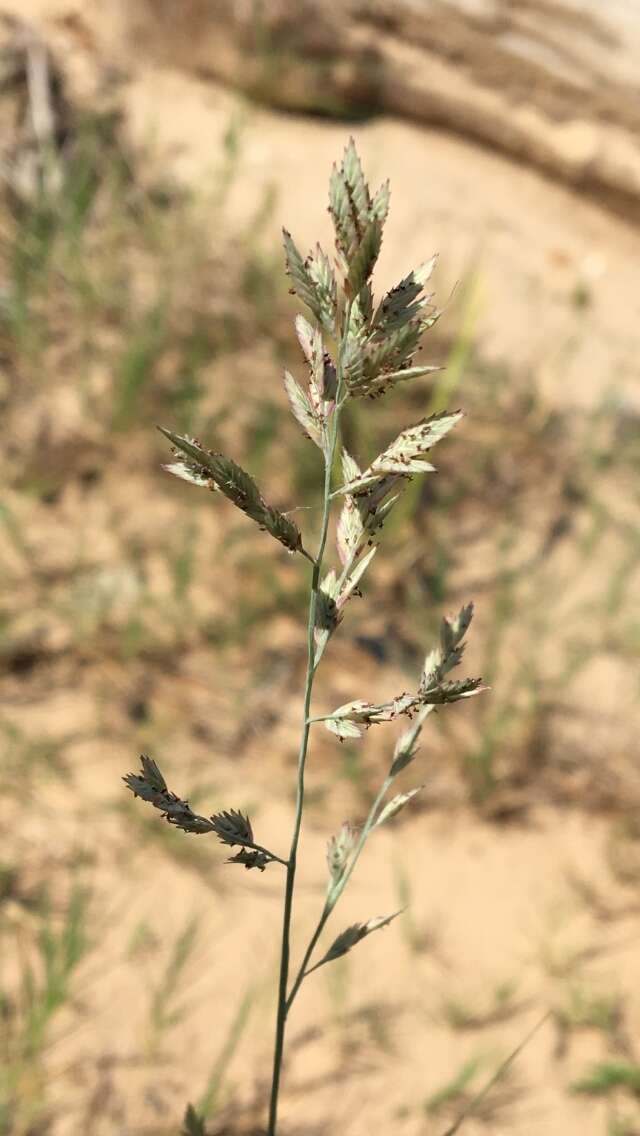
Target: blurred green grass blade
[608, 1076]
[211, 1097]
[449, 379]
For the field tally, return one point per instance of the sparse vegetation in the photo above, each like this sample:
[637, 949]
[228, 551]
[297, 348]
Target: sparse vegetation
[138, 618]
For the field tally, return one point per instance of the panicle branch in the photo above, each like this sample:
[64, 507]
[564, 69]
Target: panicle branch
[353, 934]
[231, 827]
[216, 471]
[347, 721]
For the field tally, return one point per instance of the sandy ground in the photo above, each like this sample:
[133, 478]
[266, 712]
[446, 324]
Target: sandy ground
[507, 921]
[535, 241]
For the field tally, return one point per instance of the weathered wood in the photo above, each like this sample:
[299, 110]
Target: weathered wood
[554, 83]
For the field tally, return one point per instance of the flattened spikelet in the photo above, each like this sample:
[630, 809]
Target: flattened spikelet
[240, 488]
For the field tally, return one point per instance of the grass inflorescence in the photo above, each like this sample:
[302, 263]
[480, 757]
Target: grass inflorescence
[355, 348]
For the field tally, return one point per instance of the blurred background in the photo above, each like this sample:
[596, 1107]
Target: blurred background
[150, 155]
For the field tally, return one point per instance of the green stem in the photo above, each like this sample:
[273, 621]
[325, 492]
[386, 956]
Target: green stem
[337, 890]
[304, 743]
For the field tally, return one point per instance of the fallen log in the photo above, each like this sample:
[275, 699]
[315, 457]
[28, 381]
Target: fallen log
[553, 83]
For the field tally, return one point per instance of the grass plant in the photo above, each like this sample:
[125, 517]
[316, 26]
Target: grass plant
[355, 350]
